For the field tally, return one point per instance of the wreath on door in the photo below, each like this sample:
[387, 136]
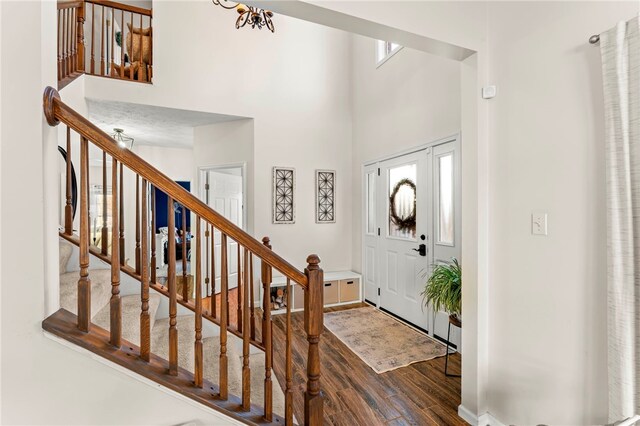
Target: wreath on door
[407, 223]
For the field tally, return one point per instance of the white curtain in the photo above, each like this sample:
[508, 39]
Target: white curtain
[620, 49]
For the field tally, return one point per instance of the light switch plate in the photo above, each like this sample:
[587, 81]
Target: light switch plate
[489, 92]
[539, 223]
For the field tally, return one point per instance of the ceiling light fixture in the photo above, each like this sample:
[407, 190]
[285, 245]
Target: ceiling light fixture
[123, 140]
[249, 15]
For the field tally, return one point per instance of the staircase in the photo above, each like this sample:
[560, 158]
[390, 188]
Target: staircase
[229, 369]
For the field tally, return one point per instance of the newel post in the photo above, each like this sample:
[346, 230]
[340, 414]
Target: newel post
[313, 325]
[80, 37]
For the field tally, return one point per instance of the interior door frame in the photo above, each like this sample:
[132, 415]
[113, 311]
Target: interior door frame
[202, 170]
[452, 138]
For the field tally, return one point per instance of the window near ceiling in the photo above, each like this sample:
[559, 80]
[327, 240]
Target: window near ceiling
[385, 50]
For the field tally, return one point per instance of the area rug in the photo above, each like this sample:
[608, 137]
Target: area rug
[381, 341]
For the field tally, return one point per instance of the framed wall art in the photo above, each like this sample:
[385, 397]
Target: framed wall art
[325, 196]
[284, 185]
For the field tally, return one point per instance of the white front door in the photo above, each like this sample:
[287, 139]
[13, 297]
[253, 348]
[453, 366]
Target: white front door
[223, 193]
[394, 266]
[403, 250]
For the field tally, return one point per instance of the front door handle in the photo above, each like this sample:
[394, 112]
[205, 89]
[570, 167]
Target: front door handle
[422, 249]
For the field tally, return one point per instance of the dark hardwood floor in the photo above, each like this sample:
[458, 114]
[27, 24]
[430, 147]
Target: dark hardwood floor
[419, 394]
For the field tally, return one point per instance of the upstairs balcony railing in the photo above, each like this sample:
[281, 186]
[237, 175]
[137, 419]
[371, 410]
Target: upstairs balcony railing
[104, 38]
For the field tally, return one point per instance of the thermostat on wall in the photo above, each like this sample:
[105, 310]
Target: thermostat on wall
[488, 92]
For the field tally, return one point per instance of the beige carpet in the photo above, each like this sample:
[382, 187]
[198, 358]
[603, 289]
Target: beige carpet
[382, 342]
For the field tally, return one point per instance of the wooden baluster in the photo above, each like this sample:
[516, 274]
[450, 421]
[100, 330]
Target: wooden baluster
[153, 235]
[137, 253]
[288, 393]
[173, 298]
[68, 208]
[266, 336]
[224, 306]
[104, 238]
[84, 284]
[121, 212]
[199, 357]
[145, 319]
[122, 44]
[185, 286]
[88, 198]
[60, 38]
[150, 76]
[102, 42]
[64, 43]
[246, 370]
[140, 73]
[207, 261]
[115, 303]
[131, 49]
[113, 41]
[252, 320]
[213, 272]
[93, 44]
[70, 23]
[80, 37]
[313, 324]
[239, 292]
[72, 40]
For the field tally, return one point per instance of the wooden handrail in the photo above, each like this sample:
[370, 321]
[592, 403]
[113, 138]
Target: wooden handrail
[122, 6]
[57, 111]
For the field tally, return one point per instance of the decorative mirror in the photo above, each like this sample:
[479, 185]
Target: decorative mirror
[402, 206]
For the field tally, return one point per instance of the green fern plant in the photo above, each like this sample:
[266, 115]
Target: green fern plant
[443, 290]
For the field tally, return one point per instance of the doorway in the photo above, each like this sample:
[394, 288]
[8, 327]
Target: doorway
[412, 221]
[223, 188]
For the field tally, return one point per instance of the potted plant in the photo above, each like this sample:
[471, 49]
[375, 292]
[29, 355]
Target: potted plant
[443, 290]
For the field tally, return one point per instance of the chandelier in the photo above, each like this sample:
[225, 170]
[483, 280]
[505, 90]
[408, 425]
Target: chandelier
[249, 15]
[123, 140]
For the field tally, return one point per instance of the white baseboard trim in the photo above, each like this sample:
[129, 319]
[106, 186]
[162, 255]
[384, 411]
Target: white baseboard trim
[223, 419]
[486, 419]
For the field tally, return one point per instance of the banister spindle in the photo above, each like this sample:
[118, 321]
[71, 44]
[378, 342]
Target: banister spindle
[60, 39]
[185, 282]
[224, 306]
[80, 37]
[131, 59]
[266, 335]
[239, 291]
[288, 393]
[74, 40]
[141, 62]
[115, 303]
[199, 358]
[313, 324]
[104, 236]
[122, 43]
[93, 37]
[137, 252]
[121, 213]
[207, 260]
[113, 41]
[246, 370]
[153, 235]
[252, 320]
[64, 43]
[84, 283]
[213, 272]
[68, 208]
[173, 298]
[102, 41]
[145, 319]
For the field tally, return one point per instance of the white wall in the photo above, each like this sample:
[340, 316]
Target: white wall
[412, 99]
[548, 346]
[294, 84]
[42, 381]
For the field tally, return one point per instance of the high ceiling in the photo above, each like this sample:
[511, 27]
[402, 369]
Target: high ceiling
[152, 125]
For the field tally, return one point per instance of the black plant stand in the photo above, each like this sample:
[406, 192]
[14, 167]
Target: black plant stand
[453, 320]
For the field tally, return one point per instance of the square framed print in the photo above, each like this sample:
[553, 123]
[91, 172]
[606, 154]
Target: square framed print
[325, 196]
[284, 185]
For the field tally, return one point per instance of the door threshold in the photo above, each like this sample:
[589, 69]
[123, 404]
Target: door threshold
[409, 323]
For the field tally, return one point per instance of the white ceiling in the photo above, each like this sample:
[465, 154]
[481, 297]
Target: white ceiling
[152, 125]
